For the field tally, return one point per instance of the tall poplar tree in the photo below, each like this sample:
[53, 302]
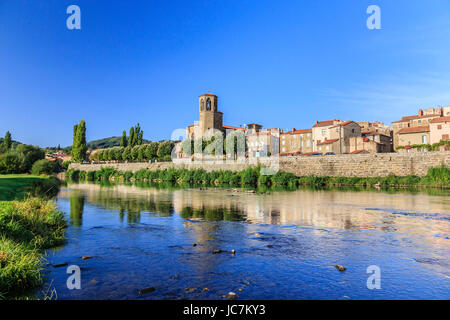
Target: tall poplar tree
[79, 142]
[123, 141]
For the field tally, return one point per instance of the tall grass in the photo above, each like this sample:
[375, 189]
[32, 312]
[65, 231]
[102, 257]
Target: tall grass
[26, 227]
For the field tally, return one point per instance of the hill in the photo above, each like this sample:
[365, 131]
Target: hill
[13, 143]
[106, 143]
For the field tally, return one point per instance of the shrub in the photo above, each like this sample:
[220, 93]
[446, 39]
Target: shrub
[104, 173]
[44, 166]
[249, 176]
[65, 164]
[11, 162]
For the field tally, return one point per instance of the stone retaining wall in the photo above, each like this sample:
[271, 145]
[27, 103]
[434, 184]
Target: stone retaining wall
[364, 165]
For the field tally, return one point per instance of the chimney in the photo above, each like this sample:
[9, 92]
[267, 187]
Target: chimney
[293, 129]
[420, 112]
[317, 122]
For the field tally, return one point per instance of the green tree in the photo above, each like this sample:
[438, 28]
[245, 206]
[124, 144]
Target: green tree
[44, 166]
[151, 151]
[131, 137]
[165, 149]
[124, 141]
[31, 155]
[7, 142]
[79, 142]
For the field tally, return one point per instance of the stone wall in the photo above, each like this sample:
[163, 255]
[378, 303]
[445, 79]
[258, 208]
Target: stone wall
[363, 165]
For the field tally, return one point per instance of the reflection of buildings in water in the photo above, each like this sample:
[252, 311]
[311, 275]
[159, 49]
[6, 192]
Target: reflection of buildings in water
[329, 209]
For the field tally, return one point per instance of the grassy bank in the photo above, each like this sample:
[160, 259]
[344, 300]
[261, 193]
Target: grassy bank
[436, 177]
[19, 186]
[26, 228]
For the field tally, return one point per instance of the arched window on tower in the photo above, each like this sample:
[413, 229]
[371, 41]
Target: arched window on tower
[202, 105]
[208, 104]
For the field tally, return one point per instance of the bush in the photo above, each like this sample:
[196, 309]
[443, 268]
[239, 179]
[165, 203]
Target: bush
[249, 176]
[44, 166]
[11, 162]
[65, 164]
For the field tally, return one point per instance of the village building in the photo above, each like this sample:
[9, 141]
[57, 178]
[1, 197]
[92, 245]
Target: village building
[440, 129]
[333, 136]
[410, 136]
[262, 142]
[415, 125]
[296, 142]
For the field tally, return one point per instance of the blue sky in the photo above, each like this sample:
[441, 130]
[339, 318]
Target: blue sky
[278, 63]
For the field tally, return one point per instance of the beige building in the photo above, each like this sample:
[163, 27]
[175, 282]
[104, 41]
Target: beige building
[413, 136]
[296, 142]
[321, 133]
[335, 138]
[379, 127]
[370, 142]
[262, 142]
[439, 129]
[421, 120]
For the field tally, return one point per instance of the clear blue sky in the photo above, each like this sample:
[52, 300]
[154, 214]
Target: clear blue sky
[278, 63]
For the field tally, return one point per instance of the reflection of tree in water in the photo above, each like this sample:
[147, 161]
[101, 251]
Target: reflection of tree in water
[132, 207]
[76, 207]
[213, 214]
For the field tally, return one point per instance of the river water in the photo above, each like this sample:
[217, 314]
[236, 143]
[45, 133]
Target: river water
[286, 243]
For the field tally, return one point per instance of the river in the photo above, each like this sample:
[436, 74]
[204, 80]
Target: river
[286, 243]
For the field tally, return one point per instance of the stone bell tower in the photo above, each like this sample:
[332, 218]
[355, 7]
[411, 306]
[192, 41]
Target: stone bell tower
[210, 117]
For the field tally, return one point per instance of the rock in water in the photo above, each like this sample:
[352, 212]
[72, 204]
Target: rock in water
[60, 265]
[231, 296]
[146, 290]
[217, 251]
[340, 268]
[194, 245]
[233, 251]
[190, 289]
[86, 257]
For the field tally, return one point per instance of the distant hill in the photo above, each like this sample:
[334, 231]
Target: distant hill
[107, 143]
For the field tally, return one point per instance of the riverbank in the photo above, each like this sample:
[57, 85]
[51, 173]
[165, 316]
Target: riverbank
[18, 186]
[435, 178]
[27, 227]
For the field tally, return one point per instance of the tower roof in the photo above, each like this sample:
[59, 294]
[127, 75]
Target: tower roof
[207, 94]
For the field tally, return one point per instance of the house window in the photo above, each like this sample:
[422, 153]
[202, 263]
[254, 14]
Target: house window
[308, 143]
[424, 139]
[328, 148]
[282, 143]
[284, 149]
[439, 127]
[445, 137]
[324, 132]
[308, 135]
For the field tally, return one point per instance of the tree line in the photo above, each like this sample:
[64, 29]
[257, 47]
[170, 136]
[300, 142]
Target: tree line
[153, 151]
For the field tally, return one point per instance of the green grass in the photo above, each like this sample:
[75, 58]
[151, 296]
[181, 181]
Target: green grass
[26, 228]
[19, 186]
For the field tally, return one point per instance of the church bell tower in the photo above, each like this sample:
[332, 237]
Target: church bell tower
[210, 117]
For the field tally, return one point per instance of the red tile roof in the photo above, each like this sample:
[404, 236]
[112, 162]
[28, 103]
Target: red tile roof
[408, 118]
[327, 141]
[235, 128]
[324, 123]
[414, 129]
[440, 119]
[298, 131]
[343, 124]
[207, 94]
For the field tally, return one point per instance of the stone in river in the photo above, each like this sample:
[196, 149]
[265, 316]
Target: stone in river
[190, 289]
[231, 295]
[86, 257]
[146, 290]
[60, 265]
[340, 268]
[194, 244]
[233, 251]
[217, 251]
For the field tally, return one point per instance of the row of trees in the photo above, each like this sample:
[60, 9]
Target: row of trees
[135, 138]
[234, 144]
[145, 152]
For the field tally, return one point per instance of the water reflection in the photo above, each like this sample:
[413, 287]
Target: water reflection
[167, 234]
